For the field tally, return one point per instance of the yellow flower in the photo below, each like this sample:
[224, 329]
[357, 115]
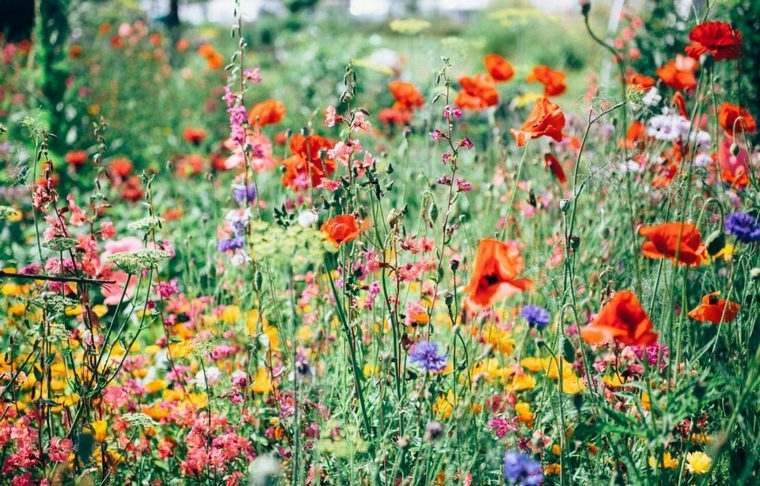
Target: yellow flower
[10, 289]
[499, 339]
[370, 370]
[572, 385]
[526, 99]
[155, 386]
[262, 383]
[231, 314]
[73, 310]
[532, 364]
[444, 405]
[521, 382]
[698, 462]
[200, 400]
[17, 309]
[668, 462]
[613, 381]
[99, 430]
[155, 411]
[727, 252]
[645, 401]
[489, 369]
[100, 310]
[304, 334]
[524, 415]
[552, 469]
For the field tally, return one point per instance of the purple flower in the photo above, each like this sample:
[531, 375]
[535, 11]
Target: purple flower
[244, 194]
[744, 226]
[252, 75]
[230, 244]
[450, 112]
[466, 143]
[520, 468]
[426, 355]
[167, 289]
[536, 316]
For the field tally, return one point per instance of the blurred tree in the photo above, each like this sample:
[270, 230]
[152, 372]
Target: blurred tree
[50, 36]
[16, 19]
[745, 16]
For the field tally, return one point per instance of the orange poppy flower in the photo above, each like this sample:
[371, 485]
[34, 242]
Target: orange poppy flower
[406, 93]
[714, 309]
[552, 163]
[478, 92]
[735, 119]
[267, 112]
[545, 119]
[636, 136]
[717, 38]
[343, 228]
[679, 73]
[496, 274]
[639, 81]
[498, 67]
[621, 320]
[194, 135]
[663, 242]
[553, 81]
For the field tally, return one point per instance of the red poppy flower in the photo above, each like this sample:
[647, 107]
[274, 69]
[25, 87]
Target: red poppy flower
[621, 320]
[194, 135]
[306, 167]
[545, 119]
[267, 112]
[679, 73]
[121, 167]
[552, 163]
[553, 81]
[496, 273]
[343, 228]
[407, 94]
[478, 92]
[735, 119]
[132, 190]
[76, 158]
[639, 81]
[717, 38]
[498, 67]
[396, 115]
[714, 309]
[680, 103]
[663, 242]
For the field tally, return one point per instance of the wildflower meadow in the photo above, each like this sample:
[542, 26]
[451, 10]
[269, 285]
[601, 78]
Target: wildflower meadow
[511, 242]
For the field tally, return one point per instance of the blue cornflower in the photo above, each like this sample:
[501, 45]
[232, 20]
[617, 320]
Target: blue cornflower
[244, 194]
[536, 316]
[426, 355]
[744, 226]
[520, 468]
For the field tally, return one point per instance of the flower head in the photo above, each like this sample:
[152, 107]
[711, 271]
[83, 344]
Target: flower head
[496, 274]
[498, 67]
[622, 320]
[698, 462]
[546, 119]
[680, 242]
[714, 309]
[426, 355]
[520, 468]
[343, 228]
[745, 226]
[536, 316]
[717, 38]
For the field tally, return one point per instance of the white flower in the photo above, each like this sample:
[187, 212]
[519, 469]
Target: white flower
[212, 376]
[652, 97]
[307, 218]
[668, 127]
[631, 166]
[702, 159]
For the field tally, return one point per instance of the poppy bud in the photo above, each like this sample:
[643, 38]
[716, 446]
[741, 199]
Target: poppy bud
[755, 273]
[433, 431]
[735, 149]
[449, 299]
[564, 205]
[574, 243]
[715, 242]
[585, 7]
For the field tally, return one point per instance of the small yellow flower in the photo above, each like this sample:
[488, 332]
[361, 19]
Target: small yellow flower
[532, 364]
[231, 314]
[698, 462]
[262, 383]
[524, 415]
[100, 310]
[17, 309]
[155, 386]
[668, 462]
[444, 405]
[370, 370]
[572, 385]
[10, 289]
[99, 430]
[521, 382]
[552, 469]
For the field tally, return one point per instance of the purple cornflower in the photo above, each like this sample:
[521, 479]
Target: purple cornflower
[520, 468]
[244, 194]
[745, 226]
[426, 355]
[230, 244]
[536, 316]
